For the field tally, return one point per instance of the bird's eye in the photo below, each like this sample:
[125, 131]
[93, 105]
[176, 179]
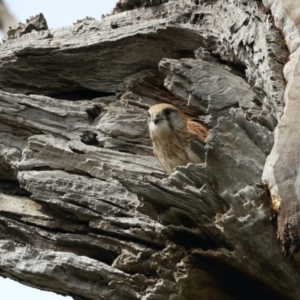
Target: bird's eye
[167, 111]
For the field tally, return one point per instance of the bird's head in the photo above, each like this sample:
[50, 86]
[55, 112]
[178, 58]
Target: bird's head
[164, 119]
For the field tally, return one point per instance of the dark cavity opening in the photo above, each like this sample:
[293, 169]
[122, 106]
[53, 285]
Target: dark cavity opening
[81, 94]
[89, 138]
[12, 188]
[93, 113]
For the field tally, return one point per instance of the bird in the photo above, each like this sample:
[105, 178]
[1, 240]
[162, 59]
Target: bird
[171, 132]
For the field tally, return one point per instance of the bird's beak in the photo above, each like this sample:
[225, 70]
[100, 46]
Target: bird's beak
[156, 120]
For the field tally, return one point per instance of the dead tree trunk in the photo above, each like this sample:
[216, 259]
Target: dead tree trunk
[86, 210]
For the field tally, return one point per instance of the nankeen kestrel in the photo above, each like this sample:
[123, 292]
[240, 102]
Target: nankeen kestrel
[171, 132]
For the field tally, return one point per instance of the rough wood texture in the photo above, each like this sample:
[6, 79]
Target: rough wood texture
[85, 208]
[282, 168]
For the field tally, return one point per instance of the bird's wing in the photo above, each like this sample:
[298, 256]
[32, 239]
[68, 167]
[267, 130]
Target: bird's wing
[198, 128]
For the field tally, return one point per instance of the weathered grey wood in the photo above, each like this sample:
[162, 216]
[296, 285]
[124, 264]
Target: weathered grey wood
[281, 170]
[85, 208]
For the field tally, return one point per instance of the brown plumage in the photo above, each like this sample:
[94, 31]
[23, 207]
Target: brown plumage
[170, 132]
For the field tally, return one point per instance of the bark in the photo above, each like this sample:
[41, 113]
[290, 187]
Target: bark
[282, 168]
[85, 208]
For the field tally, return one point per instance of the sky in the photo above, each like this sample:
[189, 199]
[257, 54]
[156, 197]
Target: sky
[58, 13]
